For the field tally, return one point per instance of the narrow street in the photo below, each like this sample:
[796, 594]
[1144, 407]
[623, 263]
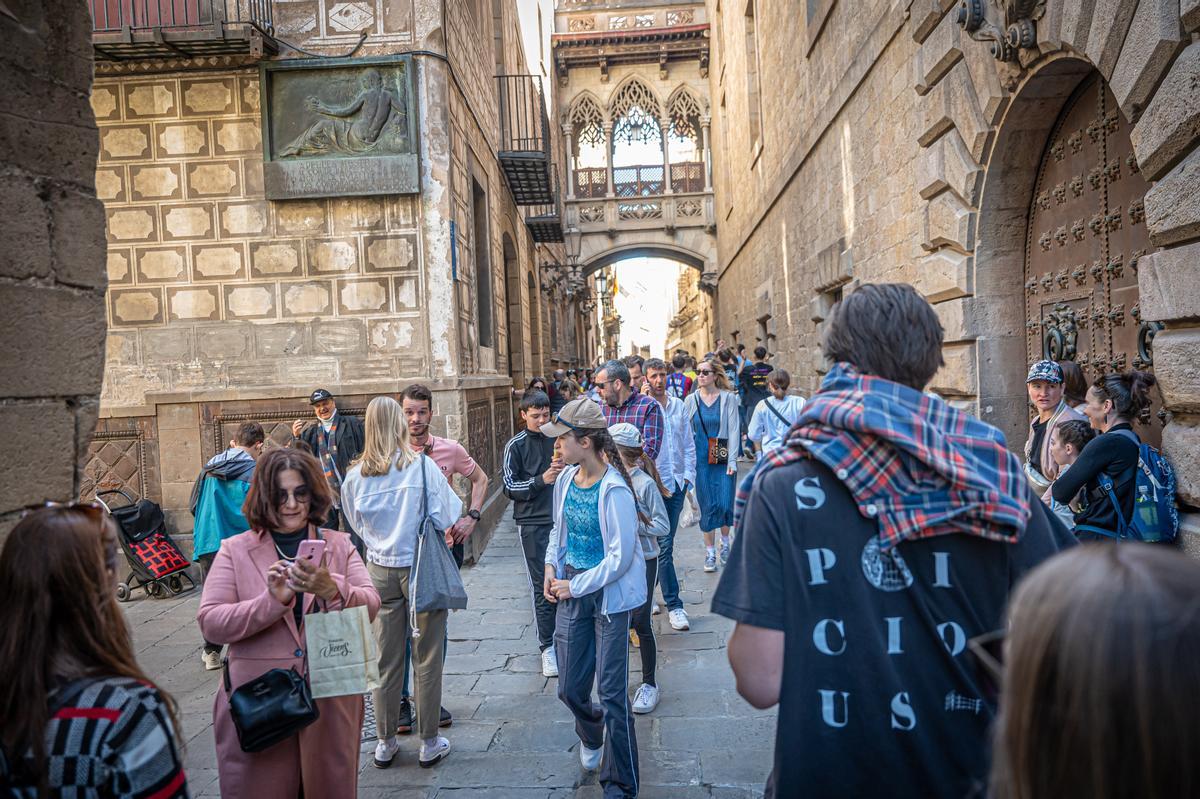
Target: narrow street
[512, 738]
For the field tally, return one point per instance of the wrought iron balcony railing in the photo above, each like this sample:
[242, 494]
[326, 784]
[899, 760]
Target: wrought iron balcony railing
[545, 222]
[124, 30]
[525, 138]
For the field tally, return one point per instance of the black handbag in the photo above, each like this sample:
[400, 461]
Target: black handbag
[270, 708]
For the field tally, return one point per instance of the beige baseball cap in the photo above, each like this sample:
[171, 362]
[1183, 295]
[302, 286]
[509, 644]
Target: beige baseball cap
[578, 414]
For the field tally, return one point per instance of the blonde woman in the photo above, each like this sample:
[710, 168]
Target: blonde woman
[712, 410]
[382, 497]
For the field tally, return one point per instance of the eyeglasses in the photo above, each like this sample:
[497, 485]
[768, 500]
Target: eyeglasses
[300, 494]
[704, 371]
[599, 384]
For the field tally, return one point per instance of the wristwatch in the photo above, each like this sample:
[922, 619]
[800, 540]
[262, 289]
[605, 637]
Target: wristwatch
[474, 514]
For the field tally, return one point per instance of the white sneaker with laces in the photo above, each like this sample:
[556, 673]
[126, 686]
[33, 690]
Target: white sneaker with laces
[678, 619]
[385, 751]
[646, 698]
[211, 660]
[590, 758]
[655, 609]
[710, 562]
[549, 662]
[432, 754]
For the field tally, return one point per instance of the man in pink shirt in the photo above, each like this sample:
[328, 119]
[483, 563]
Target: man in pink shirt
[452, 458]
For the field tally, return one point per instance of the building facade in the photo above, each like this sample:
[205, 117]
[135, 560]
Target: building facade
[267, 235]
[1030, 167]
[634, 112]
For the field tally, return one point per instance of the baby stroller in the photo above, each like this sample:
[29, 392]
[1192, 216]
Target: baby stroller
[157, 565]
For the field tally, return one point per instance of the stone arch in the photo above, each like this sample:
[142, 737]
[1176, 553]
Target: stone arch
[586, 108]
[633, 90]
[683, 104]
[622, 252]
[1003, 198]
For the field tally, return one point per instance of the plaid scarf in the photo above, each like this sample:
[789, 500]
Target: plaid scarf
[327, 446]
[918, 466]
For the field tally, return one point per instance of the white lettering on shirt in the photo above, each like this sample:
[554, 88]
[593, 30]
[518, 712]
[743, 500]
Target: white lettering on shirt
[819, 561]
[821, 636]
[829, 710]
[956, 641]
[941, 570]
[903, 717]
[809, 494]
[894, 635]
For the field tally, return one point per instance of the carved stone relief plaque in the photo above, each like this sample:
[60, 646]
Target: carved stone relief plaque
[339, 127]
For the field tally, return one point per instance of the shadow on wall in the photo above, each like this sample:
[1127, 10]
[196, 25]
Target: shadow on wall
[52, 266]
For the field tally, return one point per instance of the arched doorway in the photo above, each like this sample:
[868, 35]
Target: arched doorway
[1085, 235]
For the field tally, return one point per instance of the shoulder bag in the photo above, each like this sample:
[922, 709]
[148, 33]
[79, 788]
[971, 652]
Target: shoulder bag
[718, 448]
[271, 708]
[436, 583]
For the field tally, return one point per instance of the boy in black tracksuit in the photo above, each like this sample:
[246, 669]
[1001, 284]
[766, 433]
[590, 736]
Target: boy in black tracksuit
[530, 470]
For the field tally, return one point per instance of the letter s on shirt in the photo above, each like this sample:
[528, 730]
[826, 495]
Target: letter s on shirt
[809, 494]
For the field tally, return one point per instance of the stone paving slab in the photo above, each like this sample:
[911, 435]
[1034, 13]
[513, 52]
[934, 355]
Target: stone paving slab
[511, 736]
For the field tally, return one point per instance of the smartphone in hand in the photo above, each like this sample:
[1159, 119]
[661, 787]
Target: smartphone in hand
[311, 550]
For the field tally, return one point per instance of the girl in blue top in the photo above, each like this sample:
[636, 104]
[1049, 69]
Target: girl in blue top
[596, 575]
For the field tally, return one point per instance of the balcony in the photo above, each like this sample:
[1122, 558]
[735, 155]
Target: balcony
[525, 139]
[638, 181]
[129, 30]
[545, 222]
[638, 212]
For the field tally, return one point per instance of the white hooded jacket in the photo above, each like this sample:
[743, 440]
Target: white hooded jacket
[622, 572]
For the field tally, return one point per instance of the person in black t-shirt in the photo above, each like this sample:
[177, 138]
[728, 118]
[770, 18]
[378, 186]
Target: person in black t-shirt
[885, 535]
[752, 387]
[1113, 402]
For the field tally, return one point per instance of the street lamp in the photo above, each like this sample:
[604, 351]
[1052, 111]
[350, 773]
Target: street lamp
[602, 282]
[574, 241]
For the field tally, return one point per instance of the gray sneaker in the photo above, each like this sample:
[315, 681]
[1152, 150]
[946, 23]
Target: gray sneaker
[724, 554]
[710, 563]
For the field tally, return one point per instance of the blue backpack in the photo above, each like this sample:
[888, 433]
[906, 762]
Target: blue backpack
[1155, 517]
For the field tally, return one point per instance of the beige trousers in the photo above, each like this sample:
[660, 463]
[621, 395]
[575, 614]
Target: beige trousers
[391, 628]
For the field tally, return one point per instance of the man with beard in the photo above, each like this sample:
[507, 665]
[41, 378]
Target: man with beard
[452, 458]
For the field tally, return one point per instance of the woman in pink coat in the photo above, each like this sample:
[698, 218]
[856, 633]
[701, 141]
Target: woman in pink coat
[255, 598]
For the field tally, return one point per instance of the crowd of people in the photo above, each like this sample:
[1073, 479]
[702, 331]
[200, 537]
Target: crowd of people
[905, 589]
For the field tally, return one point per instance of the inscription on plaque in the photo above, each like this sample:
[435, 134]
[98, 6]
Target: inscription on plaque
[336, 128]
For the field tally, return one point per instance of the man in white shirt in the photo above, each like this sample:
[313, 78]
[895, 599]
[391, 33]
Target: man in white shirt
[775, 415]
[676, 463]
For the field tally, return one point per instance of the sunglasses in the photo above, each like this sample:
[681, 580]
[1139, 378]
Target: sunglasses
[705, 371]
[299, 493]
[93, 510]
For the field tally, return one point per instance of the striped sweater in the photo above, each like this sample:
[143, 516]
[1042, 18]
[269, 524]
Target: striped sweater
[112, 737]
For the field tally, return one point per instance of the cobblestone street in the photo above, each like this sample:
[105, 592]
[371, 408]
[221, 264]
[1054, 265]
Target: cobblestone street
[511, 735]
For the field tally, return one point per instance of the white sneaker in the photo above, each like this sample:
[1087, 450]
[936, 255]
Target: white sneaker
[590, 758]
[549, 662]
[646, 698]
[211, 660]
[679, 619]
[432, 755]
[385, 751]
[655, 609]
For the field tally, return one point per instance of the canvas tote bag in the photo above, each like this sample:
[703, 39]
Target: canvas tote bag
[343, 656]
[434, 579]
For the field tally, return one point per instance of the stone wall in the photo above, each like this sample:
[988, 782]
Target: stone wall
[915, 161]
[211, 287]
[51, 253]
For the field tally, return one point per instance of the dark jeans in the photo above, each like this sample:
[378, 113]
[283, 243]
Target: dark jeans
[594, 648]
[534, 540]
[645, 630]
[667, 579]
[205, 562]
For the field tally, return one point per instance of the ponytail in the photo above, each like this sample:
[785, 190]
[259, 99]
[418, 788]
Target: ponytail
[1129, 393]
[647, 464]
[606, 448]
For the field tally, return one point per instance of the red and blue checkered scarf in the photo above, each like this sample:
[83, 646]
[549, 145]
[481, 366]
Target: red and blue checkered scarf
[927, 468]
